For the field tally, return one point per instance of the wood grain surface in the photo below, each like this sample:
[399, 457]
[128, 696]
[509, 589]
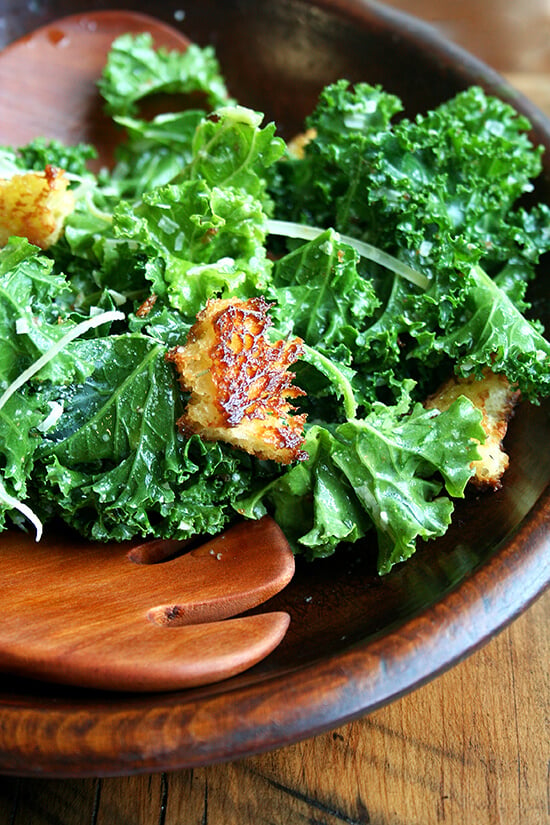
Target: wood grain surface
[470, 748]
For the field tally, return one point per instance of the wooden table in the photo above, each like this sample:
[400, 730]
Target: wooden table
[470, 748]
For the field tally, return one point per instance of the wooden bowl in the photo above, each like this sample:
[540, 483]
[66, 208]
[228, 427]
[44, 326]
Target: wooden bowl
[356, 641]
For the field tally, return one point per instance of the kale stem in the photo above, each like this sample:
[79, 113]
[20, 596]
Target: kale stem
[331, 371]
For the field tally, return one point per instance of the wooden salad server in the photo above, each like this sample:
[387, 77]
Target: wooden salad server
[122, 617]
[113, 616]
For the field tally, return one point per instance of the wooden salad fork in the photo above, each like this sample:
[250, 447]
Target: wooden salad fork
[115, 617]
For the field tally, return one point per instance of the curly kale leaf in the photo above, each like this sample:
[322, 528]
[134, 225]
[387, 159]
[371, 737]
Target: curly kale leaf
[33, 315]
[37, 154]
[493, 333]
[385, 471]
[443, 193]
[115, 466]
[136, 70]
[156, 148]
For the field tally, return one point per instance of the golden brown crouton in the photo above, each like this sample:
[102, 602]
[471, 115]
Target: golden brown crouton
[239, 383]
[296, 146]
[496, 399]
[34, 205]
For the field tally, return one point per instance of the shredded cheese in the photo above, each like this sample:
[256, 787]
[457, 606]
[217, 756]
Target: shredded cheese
[75, 332]
[289, 229]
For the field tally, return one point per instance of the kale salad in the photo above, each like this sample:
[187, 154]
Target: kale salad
[397, 251]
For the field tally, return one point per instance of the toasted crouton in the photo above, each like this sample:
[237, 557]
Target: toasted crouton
[296, 146]
[239, 383]
[496, 399]
[34, 205]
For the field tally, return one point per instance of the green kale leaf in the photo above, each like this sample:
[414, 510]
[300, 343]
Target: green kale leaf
[32, 315]
[442, 193]
[116, 466]
[136, 70]
[387, 470]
